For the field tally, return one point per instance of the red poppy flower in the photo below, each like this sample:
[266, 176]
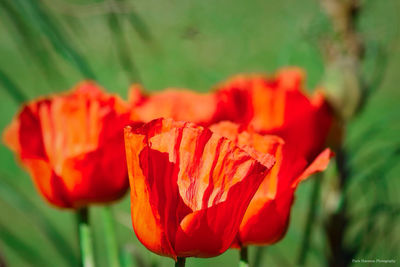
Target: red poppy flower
[277, 106]
[72, 145]
[189, 187]
[267, 216]
[178, 104]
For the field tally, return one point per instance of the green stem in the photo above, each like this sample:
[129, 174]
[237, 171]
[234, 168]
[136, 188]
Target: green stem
[312, 212]
[180, 262]
[244, 259]
[85, 238]
[110, 237]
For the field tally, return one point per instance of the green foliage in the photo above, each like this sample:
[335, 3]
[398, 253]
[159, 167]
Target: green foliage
[47, 47]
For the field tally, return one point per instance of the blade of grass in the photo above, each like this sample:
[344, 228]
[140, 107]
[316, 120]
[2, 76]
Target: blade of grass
[12, 89]
[372, 129]
[383, 162]
[130, 256]
[126, 258]
[367, 242]
[122, 46]
[25, 251]
[17, 199]
[260, 251]
[308, 228]
[49, 26]
[110, 237]
[26, 39]
[140, 27]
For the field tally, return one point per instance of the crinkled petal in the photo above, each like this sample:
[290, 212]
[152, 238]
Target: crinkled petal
[190, 179]
[80, 122]
[75, 141]
[277, 106]
[267, 216]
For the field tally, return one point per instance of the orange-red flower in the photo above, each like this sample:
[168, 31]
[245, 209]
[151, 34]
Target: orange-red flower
[285, 122]
[277, 105]
[72, 145]
[279, 119]
[267, 216]
[178, 104]
[189, 187]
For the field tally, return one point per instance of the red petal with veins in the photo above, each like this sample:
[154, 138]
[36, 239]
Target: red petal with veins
[72, 144]
[267, 216]
[277, 106]
[189, 187]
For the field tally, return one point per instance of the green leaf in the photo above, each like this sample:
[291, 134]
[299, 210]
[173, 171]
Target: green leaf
[122, 47]
[12, 89]
[31, 256]
[36, 13]
[26, 38]
[16, 198]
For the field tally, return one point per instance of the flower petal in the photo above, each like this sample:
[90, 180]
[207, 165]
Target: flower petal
[73, 146]
[319, 164]
[181, 105]
[277, 106]
[190, 179]
[24, 134]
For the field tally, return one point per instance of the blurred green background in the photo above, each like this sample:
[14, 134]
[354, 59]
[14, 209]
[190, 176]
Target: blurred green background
[50, 45]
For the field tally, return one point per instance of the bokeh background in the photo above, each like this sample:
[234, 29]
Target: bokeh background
[48, 46]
